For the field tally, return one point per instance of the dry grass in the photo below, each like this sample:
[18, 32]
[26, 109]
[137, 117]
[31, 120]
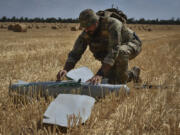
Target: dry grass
[40, 53]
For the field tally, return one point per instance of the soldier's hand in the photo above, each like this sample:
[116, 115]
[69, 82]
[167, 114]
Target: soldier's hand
[95, 80]
[61, 74]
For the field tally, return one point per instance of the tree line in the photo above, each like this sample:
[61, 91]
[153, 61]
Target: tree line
[71, 20]
[154, 21]
[39, 20]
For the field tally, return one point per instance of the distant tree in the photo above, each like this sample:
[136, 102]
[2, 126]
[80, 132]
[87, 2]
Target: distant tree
[26, 19]
[42, 19]
[51, 20]
[178, 21]
[13, 19]
[172, 20]
[4, 19]
[157, 21]
[131, 20]
[59, 19]
[37, 19]
[141, 21]
[21, 19]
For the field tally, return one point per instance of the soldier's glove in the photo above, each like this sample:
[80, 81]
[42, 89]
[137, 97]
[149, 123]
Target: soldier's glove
[100, 74]
[103, 71]
[61, 74]
[95, 79]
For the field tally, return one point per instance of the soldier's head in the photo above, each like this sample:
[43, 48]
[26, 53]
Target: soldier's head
[89, 20]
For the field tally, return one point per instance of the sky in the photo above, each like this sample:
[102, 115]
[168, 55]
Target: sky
[148, 9]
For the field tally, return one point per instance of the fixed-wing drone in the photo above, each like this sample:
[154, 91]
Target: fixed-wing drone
[74, 97]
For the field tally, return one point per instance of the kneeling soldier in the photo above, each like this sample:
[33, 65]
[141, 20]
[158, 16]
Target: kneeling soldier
[111, 42]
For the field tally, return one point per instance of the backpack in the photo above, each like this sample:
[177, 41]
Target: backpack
[113, 12]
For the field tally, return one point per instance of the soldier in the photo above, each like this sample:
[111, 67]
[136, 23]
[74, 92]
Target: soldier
[111, 42]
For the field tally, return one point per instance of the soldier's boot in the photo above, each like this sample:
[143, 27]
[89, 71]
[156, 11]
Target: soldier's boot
[134, 75]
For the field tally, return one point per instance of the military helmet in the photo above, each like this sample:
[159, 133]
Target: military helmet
[88, 17]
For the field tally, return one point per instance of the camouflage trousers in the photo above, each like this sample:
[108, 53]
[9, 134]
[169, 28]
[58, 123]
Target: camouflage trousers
[119, 73]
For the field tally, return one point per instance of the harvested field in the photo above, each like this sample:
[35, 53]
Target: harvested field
[40, 53]
[74, 28]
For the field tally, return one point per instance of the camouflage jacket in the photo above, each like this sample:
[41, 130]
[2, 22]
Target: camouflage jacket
[104, 43]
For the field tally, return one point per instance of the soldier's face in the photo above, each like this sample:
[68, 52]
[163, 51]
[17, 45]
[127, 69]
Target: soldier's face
[91, 29]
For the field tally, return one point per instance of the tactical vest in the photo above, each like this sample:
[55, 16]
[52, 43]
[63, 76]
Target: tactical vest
[98, 43]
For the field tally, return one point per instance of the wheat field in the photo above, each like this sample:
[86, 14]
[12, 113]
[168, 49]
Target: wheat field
[39, 53]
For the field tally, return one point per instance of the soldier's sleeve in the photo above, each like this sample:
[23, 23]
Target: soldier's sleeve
[77, 51]
[114, 42]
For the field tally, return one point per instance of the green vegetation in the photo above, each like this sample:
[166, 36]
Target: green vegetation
[71, 20]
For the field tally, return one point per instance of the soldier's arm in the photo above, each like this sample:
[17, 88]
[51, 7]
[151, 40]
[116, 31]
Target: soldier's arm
[114, 42]
[76, 53]
[113, 47]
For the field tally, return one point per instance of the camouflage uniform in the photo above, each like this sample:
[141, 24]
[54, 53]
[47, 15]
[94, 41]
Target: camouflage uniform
[112, 43]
